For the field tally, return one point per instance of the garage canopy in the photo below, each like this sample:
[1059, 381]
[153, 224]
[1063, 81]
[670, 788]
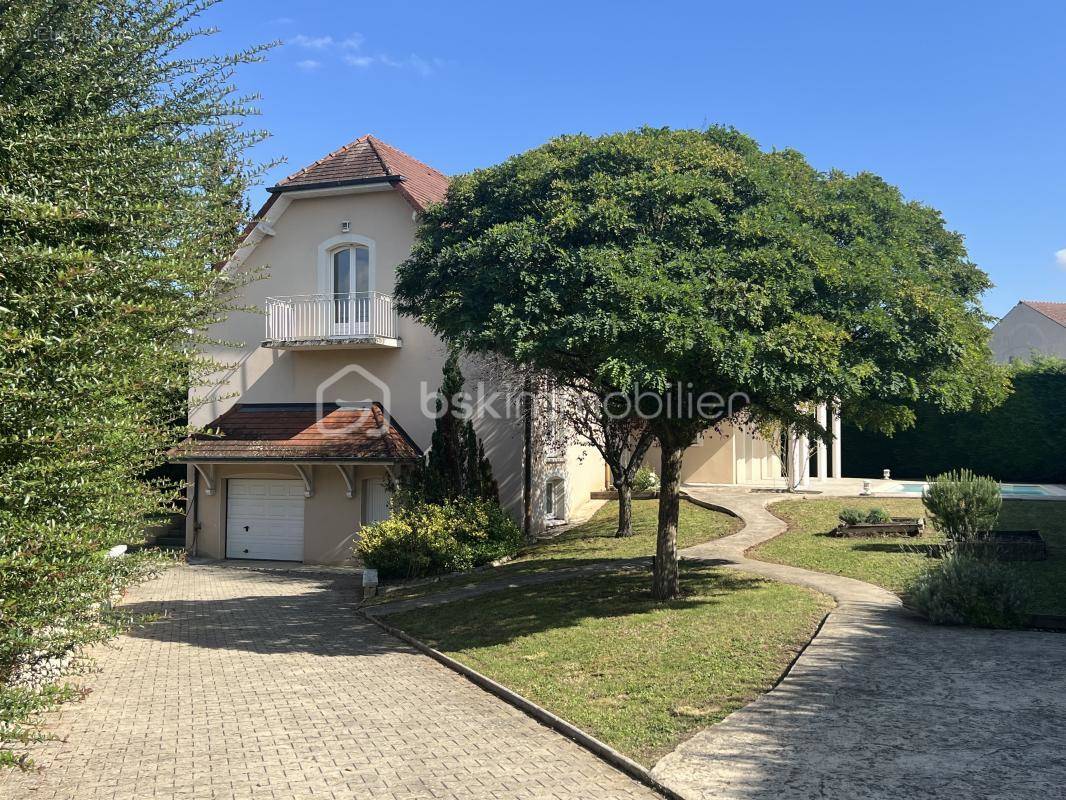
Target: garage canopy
[301, 432]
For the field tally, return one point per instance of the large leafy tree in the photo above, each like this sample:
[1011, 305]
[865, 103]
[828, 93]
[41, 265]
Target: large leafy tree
[658, 259]
[122, 172]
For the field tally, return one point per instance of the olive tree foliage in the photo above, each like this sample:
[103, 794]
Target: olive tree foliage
[657, 259]
[122, 172]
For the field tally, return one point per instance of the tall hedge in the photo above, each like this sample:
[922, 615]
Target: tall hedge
[122, 173]
[1023, 440]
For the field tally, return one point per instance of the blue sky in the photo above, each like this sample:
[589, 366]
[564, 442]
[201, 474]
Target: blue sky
[961, 104]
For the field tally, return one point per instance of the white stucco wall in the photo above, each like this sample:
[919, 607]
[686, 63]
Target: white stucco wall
[403, 379]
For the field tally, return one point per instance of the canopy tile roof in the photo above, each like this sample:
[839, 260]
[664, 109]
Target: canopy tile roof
[297, 432]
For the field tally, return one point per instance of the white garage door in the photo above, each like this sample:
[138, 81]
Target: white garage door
[265, 519]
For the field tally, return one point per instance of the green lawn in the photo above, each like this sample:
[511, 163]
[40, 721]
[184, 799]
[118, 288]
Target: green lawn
[636, 674]
[894, 563]
[592, 541]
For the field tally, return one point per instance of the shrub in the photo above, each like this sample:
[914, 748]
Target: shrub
[645, 480]
[964, 506]
[430, 539]
[852, 516]
[122, 177]
[966, 591]
[878, 516]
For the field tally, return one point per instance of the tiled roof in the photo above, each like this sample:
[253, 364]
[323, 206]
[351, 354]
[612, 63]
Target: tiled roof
[370, 159]
[294, 432]
[1053, 311]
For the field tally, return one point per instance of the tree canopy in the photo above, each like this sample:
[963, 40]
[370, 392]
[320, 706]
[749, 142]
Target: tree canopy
[653, 256]
[692, 263]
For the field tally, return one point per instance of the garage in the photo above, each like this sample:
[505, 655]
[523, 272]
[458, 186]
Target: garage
[265, 519]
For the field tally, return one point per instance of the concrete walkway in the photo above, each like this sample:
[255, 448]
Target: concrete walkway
[881, 704]
[260, 684]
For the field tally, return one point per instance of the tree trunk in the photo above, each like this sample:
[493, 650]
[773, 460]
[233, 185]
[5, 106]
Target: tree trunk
[665, 585]
[625, 509]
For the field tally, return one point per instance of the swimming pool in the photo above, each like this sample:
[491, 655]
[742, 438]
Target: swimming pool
[1008, 489]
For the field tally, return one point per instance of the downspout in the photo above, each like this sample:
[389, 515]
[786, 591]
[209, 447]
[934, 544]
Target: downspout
[195, 509]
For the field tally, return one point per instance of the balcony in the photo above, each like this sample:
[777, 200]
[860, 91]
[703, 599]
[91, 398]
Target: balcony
[322, 321]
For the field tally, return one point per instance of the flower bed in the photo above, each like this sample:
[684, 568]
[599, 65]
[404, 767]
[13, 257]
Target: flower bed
[896, 526]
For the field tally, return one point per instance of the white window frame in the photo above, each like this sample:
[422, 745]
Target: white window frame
[325, 260]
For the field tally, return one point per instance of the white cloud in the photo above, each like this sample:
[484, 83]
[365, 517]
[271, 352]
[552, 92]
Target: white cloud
[352, 42]
[312, 42]
[423, 66]
[1060, 257]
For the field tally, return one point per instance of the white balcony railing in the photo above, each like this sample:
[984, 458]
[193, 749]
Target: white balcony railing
[315, 317]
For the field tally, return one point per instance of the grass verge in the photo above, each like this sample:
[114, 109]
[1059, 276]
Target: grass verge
[591, 541]
[895, 563]
[639, 675]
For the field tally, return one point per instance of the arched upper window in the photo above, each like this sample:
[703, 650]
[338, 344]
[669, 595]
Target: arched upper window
[351, 270]
[346, 280]
[346, 265]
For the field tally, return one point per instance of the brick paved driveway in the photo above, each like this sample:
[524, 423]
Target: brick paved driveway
[267, 685]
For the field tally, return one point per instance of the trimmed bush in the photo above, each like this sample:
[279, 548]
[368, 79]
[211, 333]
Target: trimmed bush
[964, 506]
[852, 516]
[646, 480]
[432, 539]
[966, 591]
[878, 515]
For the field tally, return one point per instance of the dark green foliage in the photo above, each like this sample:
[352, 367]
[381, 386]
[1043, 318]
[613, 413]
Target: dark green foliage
[456, 467]
[968, 591]
[122, 174]
[1020, 441]
[963, 506]
[437, 538]
[656, 255]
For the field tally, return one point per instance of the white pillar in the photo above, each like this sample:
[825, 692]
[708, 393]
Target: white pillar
[838, 471]
[792, 460]
[823, 455]
[805, 461]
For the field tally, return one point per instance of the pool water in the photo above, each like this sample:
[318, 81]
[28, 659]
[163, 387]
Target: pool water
[1008, 489]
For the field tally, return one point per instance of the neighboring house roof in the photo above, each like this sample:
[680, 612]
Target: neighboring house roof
[370, 160]
[1056, 312]
[296, 432]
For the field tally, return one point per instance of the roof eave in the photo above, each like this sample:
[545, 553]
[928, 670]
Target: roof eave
[306, 187]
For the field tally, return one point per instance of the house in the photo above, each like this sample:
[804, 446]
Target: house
[326, 393]
[1030, 327]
